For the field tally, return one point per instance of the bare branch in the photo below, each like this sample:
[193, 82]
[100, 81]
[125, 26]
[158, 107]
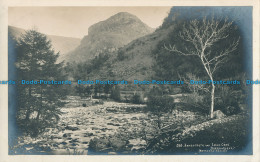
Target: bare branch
[226, 51]
[196, 87]
[202, 35]
[174, 49]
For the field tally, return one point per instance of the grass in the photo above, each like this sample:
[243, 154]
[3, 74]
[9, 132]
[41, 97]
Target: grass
[75, 152]
[233, 130]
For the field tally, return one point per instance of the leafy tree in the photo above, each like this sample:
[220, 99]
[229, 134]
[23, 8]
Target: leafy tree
[158, 104]
[201, 39]
[107, 89]
[137, 98]
[116, 93]
[38, 104]
[121, 55]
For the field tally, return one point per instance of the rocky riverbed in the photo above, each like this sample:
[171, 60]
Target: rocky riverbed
[79, 125]
[109, 128]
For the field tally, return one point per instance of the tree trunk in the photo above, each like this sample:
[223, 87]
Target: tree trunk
[159, 123]
[39, 109]
[28, 111]
[38, 116]
[212, 100]
[209, 72]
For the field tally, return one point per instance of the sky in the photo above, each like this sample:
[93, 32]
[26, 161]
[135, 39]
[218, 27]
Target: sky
[75, 21]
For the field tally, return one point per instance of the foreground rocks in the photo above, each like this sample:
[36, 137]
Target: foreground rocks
[78, 126]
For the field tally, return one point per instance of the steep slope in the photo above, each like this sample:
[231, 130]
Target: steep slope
[145, 56]
[109, 34]
[59, 43]
[133, 61]
[240, 15]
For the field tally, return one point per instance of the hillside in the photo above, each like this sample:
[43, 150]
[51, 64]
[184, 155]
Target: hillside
[60, 44]
[110, 34]
[146, 58]
[133, 61]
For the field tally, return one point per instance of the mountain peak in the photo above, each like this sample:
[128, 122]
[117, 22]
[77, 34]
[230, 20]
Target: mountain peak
[119, 23]
[124, 15]
[112, 33]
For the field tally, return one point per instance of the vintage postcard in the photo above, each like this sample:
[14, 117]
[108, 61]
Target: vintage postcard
[128, 81]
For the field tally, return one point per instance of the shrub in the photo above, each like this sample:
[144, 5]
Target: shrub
[35, 127]
[121, 55]
[227, 100]
[137, 99]
[99, 102]
[158, 104]
[75, 152]
[115, 93]
[127, 100]
[196, 102]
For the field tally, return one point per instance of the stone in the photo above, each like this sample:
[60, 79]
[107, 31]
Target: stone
[88, 134]
[65, 135]
[64, 143]
[55, 145]
[74, 141]
[125, 152]
[134, 118]
[218, 114]
[72, 128]
[111, 153]
[117, 144]
[73, 144]
[95, 128]
[124, 120]
[103, 129]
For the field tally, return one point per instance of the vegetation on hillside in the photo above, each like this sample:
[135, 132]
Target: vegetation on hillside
[165, 117]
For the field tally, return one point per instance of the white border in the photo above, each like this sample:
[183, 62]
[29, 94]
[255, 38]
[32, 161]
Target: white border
[4, 4]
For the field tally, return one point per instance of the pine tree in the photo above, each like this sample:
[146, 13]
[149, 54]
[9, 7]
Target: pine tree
[38, 105]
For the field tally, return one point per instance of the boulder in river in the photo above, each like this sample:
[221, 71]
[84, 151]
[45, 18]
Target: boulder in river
[218, 114]
[72, 128]
[88, 134]
[66, 135]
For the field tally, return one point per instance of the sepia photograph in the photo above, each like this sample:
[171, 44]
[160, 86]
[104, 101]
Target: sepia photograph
[130, 80]
[107, 81]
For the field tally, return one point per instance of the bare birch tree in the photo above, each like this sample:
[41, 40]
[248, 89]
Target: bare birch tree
[202, 36]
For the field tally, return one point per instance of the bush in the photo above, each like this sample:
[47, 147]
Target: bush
[137, 99]
[34, 127]
[116, 94]
[158, 104]
[98, 102]
[197, 102]
[121, 55]
[227, 100]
